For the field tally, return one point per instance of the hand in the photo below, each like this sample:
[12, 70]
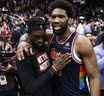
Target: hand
[6, 68]
[23, 46]
[8, 46]
[61, 61]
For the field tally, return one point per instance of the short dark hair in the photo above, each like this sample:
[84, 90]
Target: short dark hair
[63, 4]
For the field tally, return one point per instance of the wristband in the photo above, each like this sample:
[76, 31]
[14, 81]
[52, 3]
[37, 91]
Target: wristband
[54, 69]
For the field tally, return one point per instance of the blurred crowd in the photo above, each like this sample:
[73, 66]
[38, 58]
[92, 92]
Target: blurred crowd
[13, 24]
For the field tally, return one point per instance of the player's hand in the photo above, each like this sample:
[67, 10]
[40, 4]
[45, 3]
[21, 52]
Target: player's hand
[23, 47]
[61, 61]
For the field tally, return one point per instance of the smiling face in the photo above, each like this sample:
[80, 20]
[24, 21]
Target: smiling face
[59, 21]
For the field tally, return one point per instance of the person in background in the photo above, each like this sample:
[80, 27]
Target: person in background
[81, 25]
[8, 81]
[89, 31]
[99, 51]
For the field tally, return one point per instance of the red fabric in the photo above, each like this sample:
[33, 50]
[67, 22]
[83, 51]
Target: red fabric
[5, 32]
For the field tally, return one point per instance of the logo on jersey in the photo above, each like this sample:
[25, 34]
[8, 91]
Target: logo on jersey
[67, 46]
[43, 61]
[54, 54]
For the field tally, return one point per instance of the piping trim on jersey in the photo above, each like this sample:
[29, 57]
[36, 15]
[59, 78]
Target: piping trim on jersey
[51, 39]
[65, 39]
[74, 55]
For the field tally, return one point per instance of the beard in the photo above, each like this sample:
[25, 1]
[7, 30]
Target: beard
[59, 31]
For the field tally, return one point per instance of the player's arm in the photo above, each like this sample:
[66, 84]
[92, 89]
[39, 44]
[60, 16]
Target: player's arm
[85, 49]
[24, 46]
[25, 70]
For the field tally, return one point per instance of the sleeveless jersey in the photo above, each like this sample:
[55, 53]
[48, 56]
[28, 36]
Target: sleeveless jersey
[72, 79]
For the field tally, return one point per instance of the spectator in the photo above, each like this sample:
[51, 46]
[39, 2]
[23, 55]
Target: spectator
[99, 50]
[8, 83]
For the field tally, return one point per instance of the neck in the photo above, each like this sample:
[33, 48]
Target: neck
[64, 36]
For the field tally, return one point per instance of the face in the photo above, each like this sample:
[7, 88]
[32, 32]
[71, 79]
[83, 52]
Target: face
[38, 39]
[59, 21]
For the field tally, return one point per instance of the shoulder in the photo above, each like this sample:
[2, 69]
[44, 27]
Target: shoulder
[82, 41]
[83, 45]
[99, 48]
